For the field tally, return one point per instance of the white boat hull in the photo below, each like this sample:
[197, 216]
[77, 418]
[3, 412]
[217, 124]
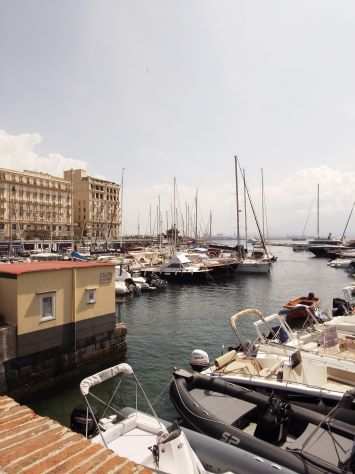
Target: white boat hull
[253, 267]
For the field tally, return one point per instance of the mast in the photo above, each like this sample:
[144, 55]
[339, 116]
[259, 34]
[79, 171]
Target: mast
[317, 211]
[174, 213]
[245, 213]
[347, 222]
[150, 220]
[237, 199]
[210, 225]
[188, 220]
[255, 216]
[159, 221]
[121, 236]
[262, 202]
[196, 201]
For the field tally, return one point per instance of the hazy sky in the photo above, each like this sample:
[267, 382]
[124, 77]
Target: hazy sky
[175, 88]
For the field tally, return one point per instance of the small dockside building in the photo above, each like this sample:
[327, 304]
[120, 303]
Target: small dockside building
[55, 317]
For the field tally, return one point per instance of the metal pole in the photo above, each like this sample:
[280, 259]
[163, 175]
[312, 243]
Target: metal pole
[237, 198]
[318, 211]
[196, 201]
[121, 206]
[210, 225]
[262, 202]
[245, 213]
[347, 222]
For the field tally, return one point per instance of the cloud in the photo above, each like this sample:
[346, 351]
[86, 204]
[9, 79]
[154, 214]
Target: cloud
[290, 203]
[294, 198]
[18, 152]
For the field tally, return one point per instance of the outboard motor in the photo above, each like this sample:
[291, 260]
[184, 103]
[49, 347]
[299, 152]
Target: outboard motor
[199, 360]
[272, 422]
[340, 307]
[78, 419]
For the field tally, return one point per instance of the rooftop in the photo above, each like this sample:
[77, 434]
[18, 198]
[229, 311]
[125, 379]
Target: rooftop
[33, 444]
[29, 267]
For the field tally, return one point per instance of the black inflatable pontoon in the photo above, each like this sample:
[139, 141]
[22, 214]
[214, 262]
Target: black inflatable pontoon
[300, 439]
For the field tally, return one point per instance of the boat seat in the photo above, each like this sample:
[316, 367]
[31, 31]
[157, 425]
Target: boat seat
[249, 367]
[321, 444]
[225, 408]
[268, 371]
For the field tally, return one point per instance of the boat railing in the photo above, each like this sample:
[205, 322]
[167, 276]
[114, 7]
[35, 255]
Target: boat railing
[100, 377]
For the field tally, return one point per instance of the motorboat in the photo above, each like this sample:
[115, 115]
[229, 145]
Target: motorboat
[315, 364]
[322, 247]
[296, 308]
[150, 441]
[340, 262]
[295, 437]
[124, 283]
[139, 437]
[180, 268]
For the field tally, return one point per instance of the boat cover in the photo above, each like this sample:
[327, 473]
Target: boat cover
[106, 374]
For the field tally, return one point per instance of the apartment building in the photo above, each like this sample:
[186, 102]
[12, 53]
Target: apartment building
[96, 206]
[34, 205]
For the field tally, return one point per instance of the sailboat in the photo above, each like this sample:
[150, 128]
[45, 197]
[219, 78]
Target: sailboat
[320, 246]
[256, 262]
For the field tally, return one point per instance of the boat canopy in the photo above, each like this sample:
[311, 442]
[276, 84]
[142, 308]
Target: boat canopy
[99, 377]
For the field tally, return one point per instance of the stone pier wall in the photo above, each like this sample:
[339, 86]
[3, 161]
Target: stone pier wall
[27, 374]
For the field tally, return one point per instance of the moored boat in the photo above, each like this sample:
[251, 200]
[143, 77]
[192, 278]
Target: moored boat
[314, 365]
[139, 437]
[295, 437]
[297, 307]
[179, 268]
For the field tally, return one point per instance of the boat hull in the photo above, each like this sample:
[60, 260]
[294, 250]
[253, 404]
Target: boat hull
[181, 277]
[253, 267]
[201, 419]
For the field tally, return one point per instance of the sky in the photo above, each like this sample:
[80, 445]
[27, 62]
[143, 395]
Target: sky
[170, 88]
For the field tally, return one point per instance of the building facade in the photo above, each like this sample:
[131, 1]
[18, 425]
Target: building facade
[54, 317]
[34, 206]
[96, 206]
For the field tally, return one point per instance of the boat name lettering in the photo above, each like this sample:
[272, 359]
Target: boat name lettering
[230, 439]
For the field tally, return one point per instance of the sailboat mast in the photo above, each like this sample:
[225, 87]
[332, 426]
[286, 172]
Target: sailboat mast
[196, 201]
[245, 214]
[210, 224]
[174, 213]
[150, 220]
[121, 236]
[237, 198]
[159, 220]
[262, 202]
[347, 222]
[255, 216]
[318, 211]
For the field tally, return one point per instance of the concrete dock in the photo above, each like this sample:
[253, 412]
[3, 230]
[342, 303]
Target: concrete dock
[33, 444]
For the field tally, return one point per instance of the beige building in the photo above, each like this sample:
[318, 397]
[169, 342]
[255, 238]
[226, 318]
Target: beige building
[34, 205]
[57, 304]
[96, 206]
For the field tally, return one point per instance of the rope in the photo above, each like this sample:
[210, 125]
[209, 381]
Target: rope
[163, 392]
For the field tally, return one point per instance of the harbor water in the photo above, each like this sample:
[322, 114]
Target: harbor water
[165, 326]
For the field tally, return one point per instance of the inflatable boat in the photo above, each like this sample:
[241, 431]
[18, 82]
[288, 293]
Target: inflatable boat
[295, 437]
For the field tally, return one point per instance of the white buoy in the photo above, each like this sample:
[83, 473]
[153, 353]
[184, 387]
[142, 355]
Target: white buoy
[199, 360]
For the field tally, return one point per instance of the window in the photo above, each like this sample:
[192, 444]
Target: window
[47, 306]
[90, 295]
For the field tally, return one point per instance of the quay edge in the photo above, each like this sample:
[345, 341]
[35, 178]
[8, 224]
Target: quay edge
[37, 445]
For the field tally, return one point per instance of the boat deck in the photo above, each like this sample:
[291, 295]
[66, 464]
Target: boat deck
[132, 445]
